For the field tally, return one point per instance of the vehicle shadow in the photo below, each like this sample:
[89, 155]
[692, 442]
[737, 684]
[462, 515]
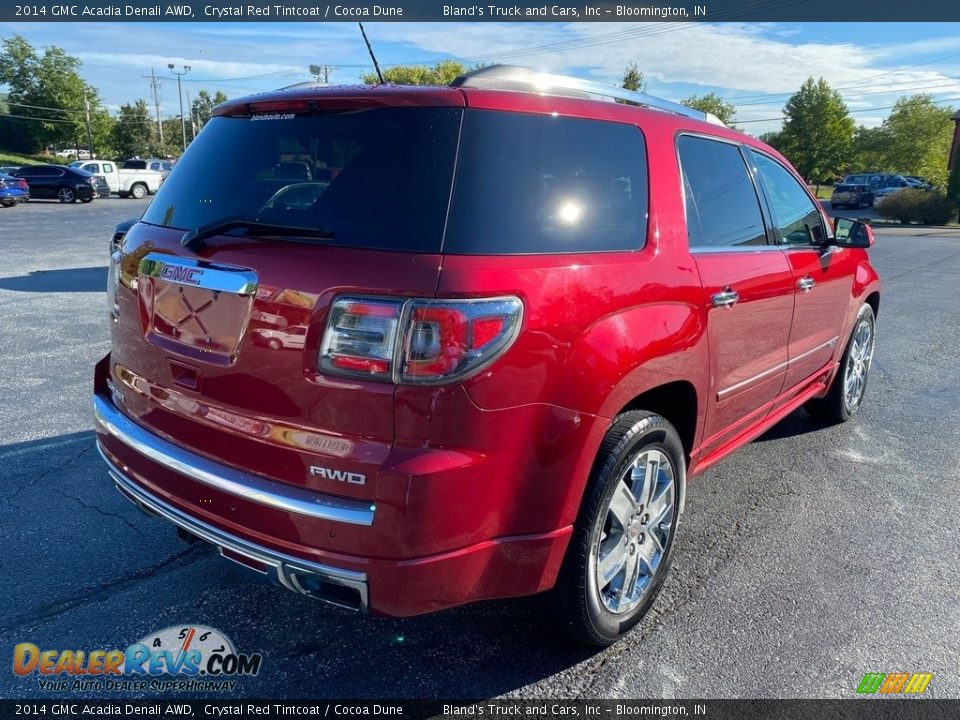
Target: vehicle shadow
[799, 422]
[88, 279]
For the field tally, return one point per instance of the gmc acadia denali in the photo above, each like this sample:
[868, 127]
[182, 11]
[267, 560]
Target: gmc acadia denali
[404, 348]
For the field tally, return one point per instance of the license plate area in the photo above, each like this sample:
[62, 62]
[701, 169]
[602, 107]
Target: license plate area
[195, 308]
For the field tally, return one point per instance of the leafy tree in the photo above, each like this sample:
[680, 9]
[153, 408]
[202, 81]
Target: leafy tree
[712, 103]
[48, 88]
[871, 149]
[133, 133]
[443, 73]
[817, 135]
[771, 138]
[203, 105]
[920, 134]
[633, 79]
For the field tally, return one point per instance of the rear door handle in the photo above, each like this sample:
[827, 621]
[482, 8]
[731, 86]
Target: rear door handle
[725, 298]
[806, 283]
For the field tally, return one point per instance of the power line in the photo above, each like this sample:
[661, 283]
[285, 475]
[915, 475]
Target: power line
[862, 110]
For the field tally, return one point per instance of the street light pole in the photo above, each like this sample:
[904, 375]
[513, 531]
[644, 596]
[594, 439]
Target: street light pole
[183, 122]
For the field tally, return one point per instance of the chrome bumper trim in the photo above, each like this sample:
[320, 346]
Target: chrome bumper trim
[300, 576]
[220, 477]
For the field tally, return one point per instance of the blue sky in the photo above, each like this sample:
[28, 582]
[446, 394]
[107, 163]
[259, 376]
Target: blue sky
[755, 66]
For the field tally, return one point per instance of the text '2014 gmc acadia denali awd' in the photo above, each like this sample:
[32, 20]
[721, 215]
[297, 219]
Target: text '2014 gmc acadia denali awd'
[403, 348]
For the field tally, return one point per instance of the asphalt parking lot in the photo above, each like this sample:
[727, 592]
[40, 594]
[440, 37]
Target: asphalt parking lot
[809, 558]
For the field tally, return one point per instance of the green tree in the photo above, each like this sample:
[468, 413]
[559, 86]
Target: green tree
[48, 88]
[203, 105]
[817, 135]
[871, 149]
[712, 103]
[443, 73]
[920, 134]
[633, 79]
[133, 133]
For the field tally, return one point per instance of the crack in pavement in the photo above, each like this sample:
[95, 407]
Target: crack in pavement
[86, 596]
[46, 472]
[101, 511]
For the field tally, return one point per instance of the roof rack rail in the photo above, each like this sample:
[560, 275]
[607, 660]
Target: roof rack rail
[524, 79]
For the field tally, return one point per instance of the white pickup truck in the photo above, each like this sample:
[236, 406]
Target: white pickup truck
[123, 181]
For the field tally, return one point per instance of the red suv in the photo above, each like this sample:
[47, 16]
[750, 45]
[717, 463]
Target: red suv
[530, 314]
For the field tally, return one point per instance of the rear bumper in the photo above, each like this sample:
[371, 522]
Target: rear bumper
[143, 464]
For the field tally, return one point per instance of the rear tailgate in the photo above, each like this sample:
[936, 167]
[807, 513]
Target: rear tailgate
[211, 367]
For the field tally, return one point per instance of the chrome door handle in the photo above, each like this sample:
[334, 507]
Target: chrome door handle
[725, 298]
[806, 283]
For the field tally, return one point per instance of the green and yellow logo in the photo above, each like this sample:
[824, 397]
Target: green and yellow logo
[894, 683]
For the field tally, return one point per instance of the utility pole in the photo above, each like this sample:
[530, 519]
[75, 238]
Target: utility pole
[322, 71]
[183, 120]
[193, 125]
[155, 92]
[86, 112]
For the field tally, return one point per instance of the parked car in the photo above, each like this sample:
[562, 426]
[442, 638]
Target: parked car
[530, 318]
[277, 338]
[126, 182]
[65, 184]
[13, 190]
[855, 196]
[889, 187]
[101, 186]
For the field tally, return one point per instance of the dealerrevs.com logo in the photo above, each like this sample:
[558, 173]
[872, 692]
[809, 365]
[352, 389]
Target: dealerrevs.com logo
[191, 658]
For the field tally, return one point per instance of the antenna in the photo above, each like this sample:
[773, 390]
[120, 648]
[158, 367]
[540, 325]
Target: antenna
[373, 57]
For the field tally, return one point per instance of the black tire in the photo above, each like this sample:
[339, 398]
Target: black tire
[274, 344]
[66, 195]
[87, 200]
[7, 203]
[139, 191]
[124, 195]
[577, 598]
[837, 405]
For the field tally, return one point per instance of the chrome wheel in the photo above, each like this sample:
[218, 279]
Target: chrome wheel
[636, 531]
[858, 363]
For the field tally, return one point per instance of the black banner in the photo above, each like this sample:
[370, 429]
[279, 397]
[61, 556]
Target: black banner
[853, 709]
[480, 11]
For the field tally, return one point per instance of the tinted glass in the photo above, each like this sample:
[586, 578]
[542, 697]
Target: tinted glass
[27, 172]
[544, 184]
[722, 205]
[135, 165]
[796, 216]
[374, 178]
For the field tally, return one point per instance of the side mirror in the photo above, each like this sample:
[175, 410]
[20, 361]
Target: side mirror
[849, 233]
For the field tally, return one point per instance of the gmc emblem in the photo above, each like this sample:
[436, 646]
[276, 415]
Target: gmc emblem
[338, 475]
[180, 274]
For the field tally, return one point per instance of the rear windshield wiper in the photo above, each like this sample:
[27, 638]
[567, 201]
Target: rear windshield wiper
[195, 239]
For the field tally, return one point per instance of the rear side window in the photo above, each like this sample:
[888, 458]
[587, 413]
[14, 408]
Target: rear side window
[722, 205]
[543, 184]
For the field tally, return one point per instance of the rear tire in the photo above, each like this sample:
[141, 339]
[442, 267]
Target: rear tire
[66, 195]
[614, 568]
[849, 386]
[139, 191]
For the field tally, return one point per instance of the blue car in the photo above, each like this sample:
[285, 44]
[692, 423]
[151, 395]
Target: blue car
[12, 191]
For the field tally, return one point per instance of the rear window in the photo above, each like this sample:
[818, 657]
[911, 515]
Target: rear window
[383, 179]
[544, 184]
[374, 178]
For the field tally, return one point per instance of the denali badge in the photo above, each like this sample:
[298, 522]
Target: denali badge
[338, 475]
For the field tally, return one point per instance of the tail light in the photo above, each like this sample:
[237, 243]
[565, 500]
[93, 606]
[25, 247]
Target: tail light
[418, 342]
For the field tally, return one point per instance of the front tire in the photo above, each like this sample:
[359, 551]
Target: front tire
[621, 547]
[846, 393]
